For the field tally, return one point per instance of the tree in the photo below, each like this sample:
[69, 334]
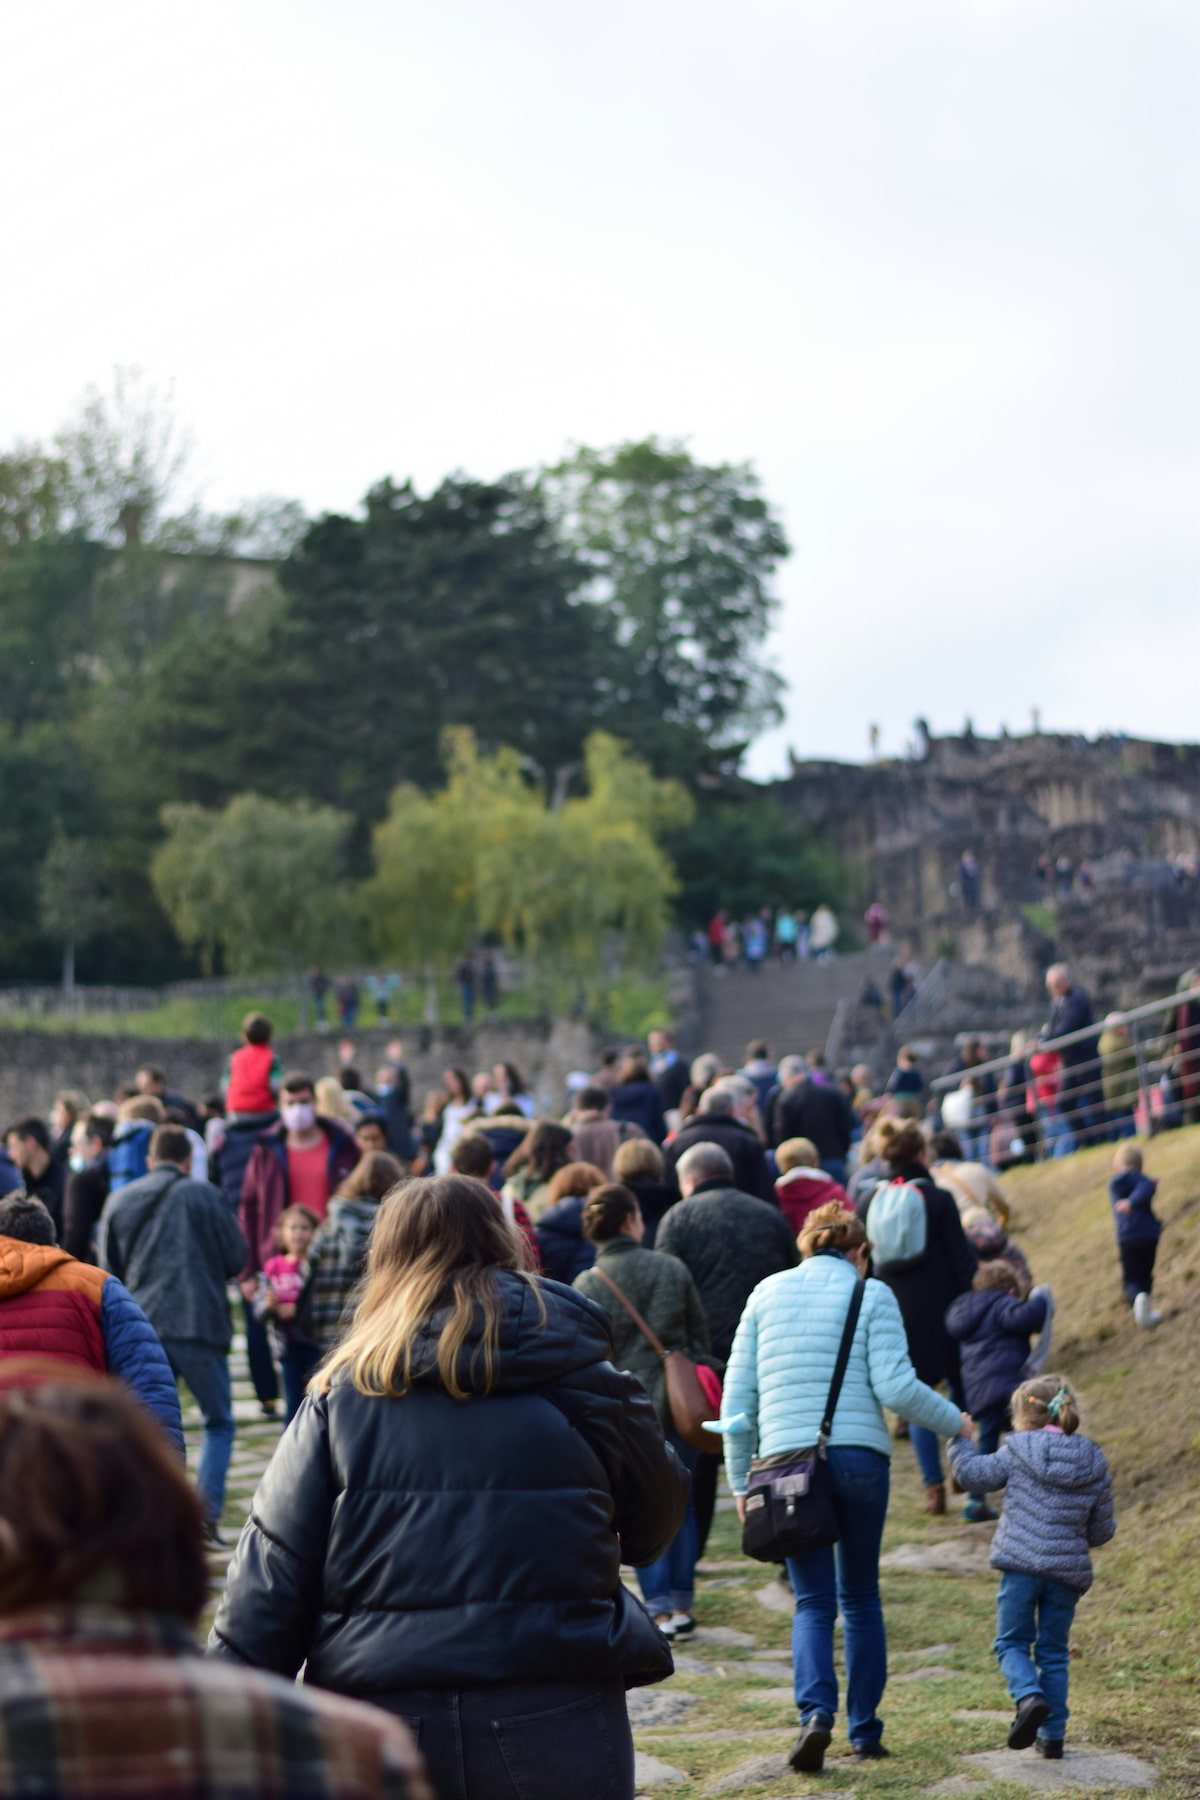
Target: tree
[680, 556]
[258, 884]
[745, 852]
[123, 458]
[73, 905]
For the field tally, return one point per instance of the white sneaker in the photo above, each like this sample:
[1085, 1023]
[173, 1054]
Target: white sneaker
[663, 1621]
[1144, 1313]
[682, 1624]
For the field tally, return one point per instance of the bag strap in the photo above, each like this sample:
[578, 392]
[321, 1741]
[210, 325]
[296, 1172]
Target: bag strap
[151, 1212]
[655, 1343]
[839, 1368]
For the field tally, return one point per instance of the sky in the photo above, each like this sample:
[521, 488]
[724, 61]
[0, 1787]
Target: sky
[931, 266]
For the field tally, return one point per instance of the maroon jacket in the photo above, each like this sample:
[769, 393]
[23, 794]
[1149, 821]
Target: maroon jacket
[265, 1190]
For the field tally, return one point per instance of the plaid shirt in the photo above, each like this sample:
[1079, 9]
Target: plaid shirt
[100, 1704]
[335, 1262]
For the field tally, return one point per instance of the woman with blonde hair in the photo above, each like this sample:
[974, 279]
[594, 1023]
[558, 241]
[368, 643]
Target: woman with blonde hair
[776, 1389]
[442, 1528]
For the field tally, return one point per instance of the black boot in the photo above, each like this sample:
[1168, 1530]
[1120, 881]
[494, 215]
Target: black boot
[808, 1752]
[1050, 1748]
[1032, 1711]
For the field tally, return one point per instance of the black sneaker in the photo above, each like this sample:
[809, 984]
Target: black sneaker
[808, 1752]
[1050, 1748]
[870, 1752]
[212, 1536]
[1032, 1711]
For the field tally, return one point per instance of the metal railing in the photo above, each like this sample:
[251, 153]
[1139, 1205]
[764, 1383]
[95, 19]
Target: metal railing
[1147, 1080]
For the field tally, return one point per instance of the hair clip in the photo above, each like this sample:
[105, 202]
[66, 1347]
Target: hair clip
[1053, 1406]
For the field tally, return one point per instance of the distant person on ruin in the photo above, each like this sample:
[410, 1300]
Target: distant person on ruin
[786, 932]
[716, 937]
[756, 939]
[906, 1084]
[668, 1070]
[1183, 1031]
[823, 932]
[1119, 1076]
[636, 1100]
[464, 977]
[968, 880]
[876, 921]
[760, 1071]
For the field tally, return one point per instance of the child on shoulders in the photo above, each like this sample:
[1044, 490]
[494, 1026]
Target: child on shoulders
[1138, 1230]
[1057, 1508]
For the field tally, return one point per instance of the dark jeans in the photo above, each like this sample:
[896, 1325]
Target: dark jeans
[522, 1742]
[205, 1369]
[1034, 1613]
[296, 1365]
[258, 1355]
[825, 1583]
[668, 1585]
[704, 1498]
[1137, 1268]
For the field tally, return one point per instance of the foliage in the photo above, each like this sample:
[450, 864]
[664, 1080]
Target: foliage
[749, 852]
[73, 905]
[680, 556]
[488, 855]
[257, 884]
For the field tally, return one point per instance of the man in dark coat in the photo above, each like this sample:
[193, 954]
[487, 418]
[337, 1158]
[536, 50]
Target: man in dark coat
[730, 1242]
[668, 1069]
[816, 1110]
[726, 1109]
[1080, 1093]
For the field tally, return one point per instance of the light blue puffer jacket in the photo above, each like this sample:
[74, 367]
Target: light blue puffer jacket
[782, 1361]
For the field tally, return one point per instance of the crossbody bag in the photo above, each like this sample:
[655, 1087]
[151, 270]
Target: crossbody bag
[789, 1497]
[690, 1405]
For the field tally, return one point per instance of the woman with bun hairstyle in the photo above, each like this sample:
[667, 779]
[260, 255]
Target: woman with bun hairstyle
[776, 1388]
[662, 1290]
[924, 1287]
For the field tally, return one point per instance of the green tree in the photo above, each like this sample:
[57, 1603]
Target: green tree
[73, 903]
[748, 852]
[258, 884]
[680, 556]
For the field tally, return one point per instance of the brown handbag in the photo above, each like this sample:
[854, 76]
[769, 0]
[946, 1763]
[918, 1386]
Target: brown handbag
[689, 1403]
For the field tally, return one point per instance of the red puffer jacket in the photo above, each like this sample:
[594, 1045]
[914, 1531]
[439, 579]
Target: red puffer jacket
[801, 1191]
[50, 1304]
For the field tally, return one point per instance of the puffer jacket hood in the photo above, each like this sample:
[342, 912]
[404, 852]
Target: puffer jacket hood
[993, 1330]
[23, 1265]
[529, 1353]
[801, 1191]
[1060, 1461]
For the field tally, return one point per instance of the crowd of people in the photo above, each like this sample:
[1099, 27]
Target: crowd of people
[785, 932]
[667, 1263]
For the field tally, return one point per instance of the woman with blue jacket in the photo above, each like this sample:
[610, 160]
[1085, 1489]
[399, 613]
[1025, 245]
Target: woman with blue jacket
[779, 1375]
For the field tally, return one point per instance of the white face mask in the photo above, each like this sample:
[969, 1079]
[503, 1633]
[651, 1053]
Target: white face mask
[77, 1160]
[300, 1115]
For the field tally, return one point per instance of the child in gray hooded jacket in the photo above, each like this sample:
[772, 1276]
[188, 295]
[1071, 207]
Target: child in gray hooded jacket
[1057, 1508]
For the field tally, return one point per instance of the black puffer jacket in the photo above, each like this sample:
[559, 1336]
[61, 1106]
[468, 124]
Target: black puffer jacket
[430, 1542]
[925, 1289]
[751, 1170]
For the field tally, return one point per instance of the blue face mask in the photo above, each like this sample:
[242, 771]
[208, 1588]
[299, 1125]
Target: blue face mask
[384, 1091]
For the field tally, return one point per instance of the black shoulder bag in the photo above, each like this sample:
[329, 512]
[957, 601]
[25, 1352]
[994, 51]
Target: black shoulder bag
[789, 1497]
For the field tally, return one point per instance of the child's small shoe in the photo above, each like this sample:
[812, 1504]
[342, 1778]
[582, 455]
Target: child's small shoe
[978, 1512]
[1144, 1313]
[1050, 1748]
[1032, 1711]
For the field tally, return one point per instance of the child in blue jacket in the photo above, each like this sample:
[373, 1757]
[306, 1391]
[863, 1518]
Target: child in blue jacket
[1057, 1509]
[1138, 1230]
[992, 1326]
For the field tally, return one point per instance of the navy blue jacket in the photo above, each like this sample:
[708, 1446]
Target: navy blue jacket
[1139, 1225]
[426, 1542]
[640, 1103]
[564, 1250]
[993, 1331]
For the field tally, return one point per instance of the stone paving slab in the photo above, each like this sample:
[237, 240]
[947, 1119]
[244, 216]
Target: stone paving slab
[933, 1673]
[776, 1598]
[723, 1636]
[954, 1556]
[658, 1706]
[649, 1772]
[1094, 1770]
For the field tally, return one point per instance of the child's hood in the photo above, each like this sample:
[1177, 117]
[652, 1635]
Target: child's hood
[969, 1315]
[1131, 1184]
[1060, 1461]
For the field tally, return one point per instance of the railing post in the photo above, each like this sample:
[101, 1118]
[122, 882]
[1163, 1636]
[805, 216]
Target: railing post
[1143, 1074]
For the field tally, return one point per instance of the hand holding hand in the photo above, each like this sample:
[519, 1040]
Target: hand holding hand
[967, 1428]
[741, 1507]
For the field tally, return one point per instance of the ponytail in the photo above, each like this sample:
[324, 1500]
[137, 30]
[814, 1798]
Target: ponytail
[1047, 1400]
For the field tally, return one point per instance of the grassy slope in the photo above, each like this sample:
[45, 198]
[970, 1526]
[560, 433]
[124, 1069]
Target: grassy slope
[1136, 1669]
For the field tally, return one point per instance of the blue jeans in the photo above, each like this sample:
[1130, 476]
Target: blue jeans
[205, 1369]
[860, 1498]
[514, 1742]
[296, 1365]
[927, 1446]
[1035, 1613]
[668, 1585]
[258, 1355]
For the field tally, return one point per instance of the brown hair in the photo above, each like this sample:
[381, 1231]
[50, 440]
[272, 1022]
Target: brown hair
[633, 1067]
[1046, 1400]
[372, 1177]
[256, 1028]
[637, 1156]
[996, 1273]
[145, 1107]
[473, 1155]
[573, 1179]
[296, 1212]
[171, 1144]
[901, 1142]
[88, 1484]
[437, 1245]
[545, 1148]
[606, 1211]
[831, 1227]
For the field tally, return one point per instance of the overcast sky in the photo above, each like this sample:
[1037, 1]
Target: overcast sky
[931, 265]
